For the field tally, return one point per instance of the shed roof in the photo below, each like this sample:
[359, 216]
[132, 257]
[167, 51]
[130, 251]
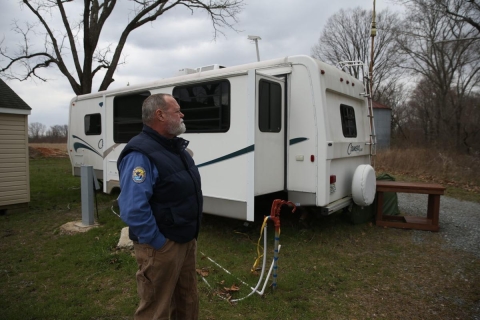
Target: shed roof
[10, 100]
[378, 105]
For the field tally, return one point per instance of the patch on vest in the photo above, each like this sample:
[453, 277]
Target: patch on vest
[139, 174]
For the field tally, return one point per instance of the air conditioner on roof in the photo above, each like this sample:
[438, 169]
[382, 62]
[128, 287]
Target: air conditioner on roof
[210, 67]
[186, 71]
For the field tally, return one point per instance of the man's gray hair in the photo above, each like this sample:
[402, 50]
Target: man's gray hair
[151, 104]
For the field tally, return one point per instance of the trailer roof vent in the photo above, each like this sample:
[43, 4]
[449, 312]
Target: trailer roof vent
[186, 71]
[210, 67]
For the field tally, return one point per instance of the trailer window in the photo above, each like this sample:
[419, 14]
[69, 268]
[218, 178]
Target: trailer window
[349, 125]
[206, 106]
[269, 106]
[93, 124]
[127, 116]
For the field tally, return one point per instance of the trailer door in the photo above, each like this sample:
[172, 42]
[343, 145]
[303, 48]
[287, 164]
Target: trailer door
[269, 147]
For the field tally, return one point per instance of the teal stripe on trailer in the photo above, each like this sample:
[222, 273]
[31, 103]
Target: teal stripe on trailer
[242, 152]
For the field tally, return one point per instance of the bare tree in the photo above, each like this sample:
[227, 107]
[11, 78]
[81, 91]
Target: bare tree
[470, 134]
[64, 130]
[395, 95]
[57, 131]
[59, 47]
[346, 37]
[450, 67]
[423, 112]
[56, 134]
[36, 130]
[464, 11]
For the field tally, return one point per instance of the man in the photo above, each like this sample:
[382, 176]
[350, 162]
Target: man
[161, 202]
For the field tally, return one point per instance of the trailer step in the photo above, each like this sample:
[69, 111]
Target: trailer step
[336, 205]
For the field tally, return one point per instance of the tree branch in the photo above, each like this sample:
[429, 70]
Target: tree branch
[220, 11]
[223, 13]
[71, 38]
[60, 63]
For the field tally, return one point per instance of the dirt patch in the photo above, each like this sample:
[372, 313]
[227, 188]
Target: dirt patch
[76, 227]
[47, 150]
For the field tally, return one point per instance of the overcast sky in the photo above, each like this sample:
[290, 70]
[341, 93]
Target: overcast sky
[177, 40]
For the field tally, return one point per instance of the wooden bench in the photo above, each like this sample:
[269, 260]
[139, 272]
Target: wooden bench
[430, 223]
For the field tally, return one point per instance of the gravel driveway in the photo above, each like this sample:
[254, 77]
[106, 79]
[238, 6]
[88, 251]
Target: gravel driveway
[459, 220]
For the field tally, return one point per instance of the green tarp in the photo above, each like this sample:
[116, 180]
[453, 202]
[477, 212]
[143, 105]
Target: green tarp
[359, 215]
[390, 199]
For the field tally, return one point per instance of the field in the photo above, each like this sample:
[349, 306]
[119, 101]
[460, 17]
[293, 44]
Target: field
[47, 150]
[329, 269]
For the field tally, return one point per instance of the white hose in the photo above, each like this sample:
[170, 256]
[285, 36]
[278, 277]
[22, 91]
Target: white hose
[243, 282]
[268, 275]
[263, 266]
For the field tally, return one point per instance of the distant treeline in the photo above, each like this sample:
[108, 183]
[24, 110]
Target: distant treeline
[39, 133]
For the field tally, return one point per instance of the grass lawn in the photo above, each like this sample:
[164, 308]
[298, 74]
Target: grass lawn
[330, 270]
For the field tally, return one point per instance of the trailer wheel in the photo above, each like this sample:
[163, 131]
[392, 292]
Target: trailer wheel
[364, 185]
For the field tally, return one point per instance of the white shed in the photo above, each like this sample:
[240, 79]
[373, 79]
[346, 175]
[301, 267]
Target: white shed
[14, 164]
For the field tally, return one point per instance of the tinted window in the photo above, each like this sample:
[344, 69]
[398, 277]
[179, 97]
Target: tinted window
[206, 106]
[349, 126]
[269, 106]
[127, 116]
[93, 124]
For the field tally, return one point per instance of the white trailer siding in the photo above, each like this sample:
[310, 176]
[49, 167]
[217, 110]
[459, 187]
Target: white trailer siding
[343, 154]
[303, 136]
[224, 159]
[245, 161]
[86, 149]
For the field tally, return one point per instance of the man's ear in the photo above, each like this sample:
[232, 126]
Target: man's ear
[159, 114]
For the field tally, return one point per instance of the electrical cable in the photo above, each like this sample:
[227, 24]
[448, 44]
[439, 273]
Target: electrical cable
[111, 209]
[275, 217]
[264, 226]
[259, 255]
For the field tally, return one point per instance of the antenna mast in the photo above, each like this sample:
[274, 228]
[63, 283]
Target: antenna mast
[373, 138]
[373, 33]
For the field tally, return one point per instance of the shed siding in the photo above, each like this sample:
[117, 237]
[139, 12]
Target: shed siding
[14, 175]
[383, 118]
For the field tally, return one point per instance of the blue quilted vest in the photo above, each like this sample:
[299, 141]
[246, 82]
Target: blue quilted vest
[177, 200]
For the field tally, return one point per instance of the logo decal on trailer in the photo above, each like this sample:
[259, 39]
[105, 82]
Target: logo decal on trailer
[351, 148]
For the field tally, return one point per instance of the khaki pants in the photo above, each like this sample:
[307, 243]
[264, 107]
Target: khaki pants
[167, 281]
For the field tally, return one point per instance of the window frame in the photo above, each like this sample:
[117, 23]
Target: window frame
[269, 116]
[89, 132]
[120, 135]
[224, 108]
[349, 121]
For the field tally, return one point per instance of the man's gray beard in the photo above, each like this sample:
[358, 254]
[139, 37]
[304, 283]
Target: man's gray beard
[176, 131]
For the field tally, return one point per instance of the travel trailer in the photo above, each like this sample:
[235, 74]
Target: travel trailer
[293, 127]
